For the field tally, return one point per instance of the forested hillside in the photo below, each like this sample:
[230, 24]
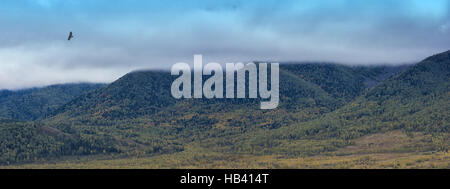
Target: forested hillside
[31, 104]
[325, 109]
[416, 100]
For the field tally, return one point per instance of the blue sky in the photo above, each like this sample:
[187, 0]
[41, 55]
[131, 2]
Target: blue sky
[113, 37]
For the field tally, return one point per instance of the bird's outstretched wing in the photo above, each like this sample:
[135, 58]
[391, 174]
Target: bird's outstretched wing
[70, 36]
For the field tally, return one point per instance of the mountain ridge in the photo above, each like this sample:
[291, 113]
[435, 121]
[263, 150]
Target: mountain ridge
[323, 109]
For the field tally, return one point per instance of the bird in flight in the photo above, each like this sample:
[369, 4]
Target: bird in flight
[70, 36]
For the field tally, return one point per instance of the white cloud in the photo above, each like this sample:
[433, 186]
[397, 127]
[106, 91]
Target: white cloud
[115, 37]
[40, 65]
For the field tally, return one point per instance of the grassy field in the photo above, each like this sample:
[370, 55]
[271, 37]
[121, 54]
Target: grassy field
[395, 149]
[222, 161]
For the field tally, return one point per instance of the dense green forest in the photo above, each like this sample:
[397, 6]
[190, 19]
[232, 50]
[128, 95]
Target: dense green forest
[325, 110]
[31, 104]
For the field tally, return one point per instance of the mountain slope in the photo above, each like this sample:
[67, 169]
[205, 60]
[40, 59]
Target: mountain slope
[141, 103]
[137, 116]
[147, 92]
[31, 104]
[136, 93]
[416, 100]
